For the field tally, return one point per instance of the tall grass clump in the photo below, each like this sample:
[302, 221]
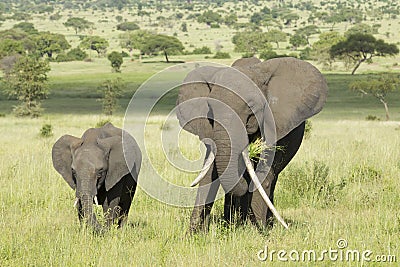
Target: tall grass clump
[308, 184]
[307, 129]
[46, 130]
[102, 122]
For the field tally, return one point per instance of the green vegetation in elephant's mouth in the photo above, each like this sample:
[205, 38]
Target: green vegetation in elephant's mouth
[256, 147]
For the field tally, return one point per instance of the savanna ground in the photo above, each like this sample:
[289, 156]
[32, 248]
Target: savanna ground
[342, 184]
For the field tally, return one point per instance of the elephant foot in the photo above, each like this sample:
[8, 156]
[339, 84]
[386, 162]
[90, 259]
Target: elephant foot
[197, 227]
[99, 230]
[93, 227]
[200, 220]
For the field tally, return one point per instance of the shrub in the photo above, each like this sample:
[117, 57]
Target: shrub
[307, 129]
[25, 73]
[364, 173]
[46, 130]
[62, 58]
[56, 16]
[222, 55]
[77, 54]
[305, 54]
[128, 26]
[270, 54]
[111, 91]
[202, 51]
[124, 54]
[372, 118]
[24, 110]
[309, 185]
[247, 55]
[102, 122]
[116, 60]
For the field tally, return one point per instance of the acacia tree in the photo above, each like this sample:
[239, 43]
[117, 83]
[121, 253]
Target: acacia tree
[360, 48]
[269, 21]
[321, 48]
[378, 88]
[251, 42]
[27, 81]
[276, 36]
[78, 24]
[297, 40]
[49, 43]
[162, 43]
[134, 40]
[18, 42]
[360, 28]
[209, 17]
[307, 31]
[289, 18]
[96, 43]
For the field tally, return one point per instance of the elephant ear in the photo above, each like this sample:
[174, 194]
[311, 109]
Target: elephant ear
[296, 90]
[192, 107]
[62, 157]
[120, 163]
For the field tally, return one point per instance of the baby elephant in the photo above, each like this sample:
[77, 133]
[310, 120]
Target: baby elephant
[94, 165]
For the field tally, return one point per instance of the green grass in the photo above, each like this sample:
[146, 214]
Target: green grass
[347, 170]
[343, 183]
[40, 227]
[74, 88]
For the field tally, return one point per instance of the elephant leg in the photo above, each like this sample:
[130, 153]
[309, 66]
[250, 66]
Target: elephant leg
[237, 207]
[128, 191]
[208, 188]
[259, 209]
[290, 144]
[270, 216]
[118, 201]
[230, 207]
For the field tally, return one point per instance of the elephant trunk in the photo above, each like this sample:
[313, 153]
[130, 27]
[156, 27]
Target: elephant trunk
[88, 214]
[86, 196]
[228, 161]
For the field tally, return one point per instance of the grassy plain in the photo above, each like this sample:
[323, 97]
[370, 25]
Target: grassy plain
[352, 163]
[342, 184]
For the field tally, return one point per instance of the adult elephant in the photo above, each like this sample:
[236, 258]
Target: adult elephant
[94, 165]
[230, 107]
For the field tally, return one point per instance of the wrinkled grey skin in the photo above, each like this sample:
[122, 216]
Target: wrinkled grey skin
[94, 165]
[294, 90]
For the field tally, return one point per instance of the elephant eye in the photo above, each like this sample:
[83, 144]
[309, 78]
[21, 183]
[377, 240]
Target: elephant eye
[73, 173]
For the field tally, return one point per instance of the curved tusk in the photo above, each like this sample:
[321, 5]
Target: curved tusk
[204, 170]
[264, 195]
[76, 202]
[95, 200]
